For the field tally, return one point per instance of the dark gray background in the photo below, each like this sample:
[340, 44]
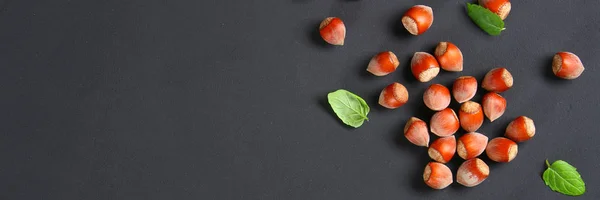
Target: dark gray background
[223, 99]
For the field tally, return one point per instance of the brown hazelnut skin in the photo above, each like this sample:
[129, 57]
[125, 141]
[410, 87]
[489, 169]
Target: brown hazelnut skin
[471, 145]
[333, 31]
[470, 116]
[521, 129]
[567, 65]
[442, 149]
[416, 132]
[501, 149]
[444, 123]
[472, 172]
[437, 97]
[464, 88]
[497, 80]
[499, 7]
[393, 96]
[449, 56]
[418, 19]
[437, 175]
[424, 66]
[494, 105]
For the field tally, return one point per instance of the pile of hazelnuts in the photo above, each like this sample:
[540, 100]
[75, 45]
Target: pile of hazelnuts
[445, 122]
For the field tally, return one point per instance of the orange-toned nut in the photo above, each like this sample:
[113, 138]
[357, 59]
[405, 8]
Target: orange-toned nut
[471, 145]
[494, 105]
[497, 80]
[500, 7]
[393, 96]
[383, 63]
[521, 129]
[418, 19]
[333, 30]
[444, 123]
[567, 65]
[416, 132]
[449, 57]
[424, 66]
[442, 149]
[501, 150]
[472, 172]
[470, 116]
[436, 97]
[464, 88]
[437, 175]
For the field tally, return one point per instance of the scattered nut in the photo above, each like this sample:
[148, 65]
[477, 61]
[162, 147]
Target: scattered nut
[383, 63]
[521, 129]
[494, 105]
[471, 145]
[437, 175]
[500, 7]
[470, 116]
[472, 172]
[501, 150]
[393, 96]
[497, 80]
[444, 123]
[464, 88]
[424, 66]
[333, 30]
[567, 65]
[437, 97]
[416, 132]
[449, 57]
[442, 149]
[418, 19]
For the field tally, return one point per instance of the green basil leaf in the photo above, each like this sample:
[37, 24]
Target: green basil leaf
[485, 19]
[563, 178]
[350, 108]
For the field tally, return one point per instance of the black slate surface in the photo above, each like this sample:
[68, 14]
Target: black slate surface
[181, 99]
